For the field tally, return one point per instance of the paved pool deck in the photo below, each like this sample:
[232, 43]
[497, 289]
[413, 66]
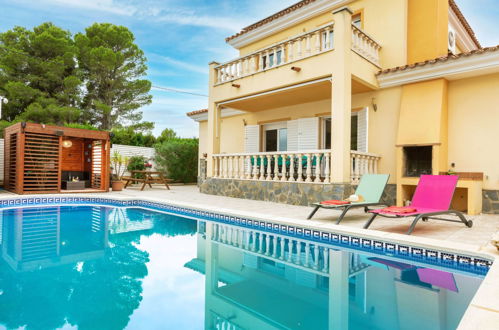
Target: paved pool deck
[483, 312]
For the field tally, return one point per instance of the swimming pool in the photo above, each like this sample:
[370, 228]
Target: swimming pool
[110, 267]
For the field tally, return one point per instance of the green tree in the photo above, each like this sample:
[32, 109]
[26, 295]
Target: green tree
[166, 135]
[112, 66]
[178, 158]
[38, 66]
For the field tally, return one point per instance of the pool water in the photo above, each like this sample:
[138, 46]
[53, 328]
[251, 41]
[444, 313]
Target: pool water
[94, 267]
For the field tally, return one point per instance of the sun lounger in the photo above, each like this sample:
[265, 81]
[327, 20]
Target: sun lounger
[432, 197]
[371, 188]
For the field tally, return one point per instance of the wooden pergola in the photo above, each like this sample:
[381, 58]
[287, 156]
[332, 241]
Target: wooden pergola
[41, 158]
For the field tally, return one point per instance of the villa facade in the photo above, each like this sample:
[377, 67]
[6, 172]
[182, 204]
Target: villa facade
[328, 90]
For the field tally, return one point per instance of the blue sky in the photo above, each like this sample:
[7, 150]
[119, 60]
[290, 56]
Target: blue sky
[180, 38]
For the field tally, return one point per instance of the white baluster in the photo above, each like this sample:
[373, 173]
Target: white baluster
[317, 168]
[292, 167]
[267, 244]
[307, 254]
[219, 75]
[309, 168]
[269, 168]
[290, 51]
[255, 167]
[299, 46]
[300, 168]
[260, 242]
[282, 248]
[230, 167]
[318, 41]
[276, 167]
[274, 245]
[352, 168]
[290, 250]
[247, 239]
[253, 241]
[247, 167]
[325, 268]
[283, 168]
[327, 170]
[283, 54]
[316, 256]
[262, 168]
[235, 162]
[298, 253]
[308, 49]
[357, 168]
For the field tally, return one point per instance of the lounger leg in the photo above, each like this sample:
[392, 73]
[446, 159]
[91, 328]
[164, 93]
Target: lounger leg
[413, 225]
[345, 210]
[371, 219]
[467, 223]
[316, 208]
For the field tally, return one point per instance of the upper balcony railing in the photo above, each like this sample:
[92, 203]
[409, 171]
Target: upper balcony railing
[304, 45]
[296, 48]
[365, 46]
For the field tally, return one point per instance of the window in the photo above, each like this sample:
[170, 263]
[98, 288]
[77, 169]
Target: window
[272, 59]
[275, 136]
[353, 132]
[327, 41]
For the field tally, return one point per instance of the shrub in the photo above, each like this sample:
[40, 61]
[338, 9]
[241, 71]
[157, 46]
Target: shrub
[136, 163]
[178, 158]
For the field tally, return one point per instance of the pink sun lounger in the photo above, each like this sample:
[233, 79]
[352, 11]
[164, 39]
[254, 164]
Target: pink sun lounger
[433, 197]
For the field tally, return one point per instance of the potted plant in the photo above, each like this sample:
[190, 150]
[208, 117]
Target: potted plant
[119, 166]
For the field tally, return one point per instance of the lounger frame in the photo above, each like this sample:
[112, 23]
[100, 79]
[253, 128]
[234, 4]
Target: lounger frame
[345, 207]
[424, 217]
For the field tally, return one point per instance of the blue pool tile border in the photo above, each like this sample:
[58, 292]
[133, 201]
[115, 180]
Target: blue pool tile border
[462, 262]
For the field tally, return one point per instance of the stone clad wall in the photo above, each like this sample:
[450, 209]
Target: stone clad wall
[293, 193]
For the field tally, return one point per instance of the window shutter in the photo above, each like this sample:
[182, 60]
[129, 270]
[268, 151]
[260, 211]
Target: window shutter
[362, 129]
[292, 135]
[308, 133]
[252, 138]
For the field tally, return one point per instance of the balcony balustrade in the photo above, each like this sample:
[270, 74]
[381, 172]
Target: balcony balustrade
[298, 47]
[312, 166]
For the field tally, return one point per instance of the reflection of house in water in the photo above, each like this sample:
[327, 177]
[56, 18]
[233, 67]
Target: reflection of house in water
[260, 281]
[34, 238]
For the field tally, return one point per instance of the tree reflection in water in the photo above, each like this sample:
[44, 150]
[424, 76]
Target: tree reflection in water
[102, 292]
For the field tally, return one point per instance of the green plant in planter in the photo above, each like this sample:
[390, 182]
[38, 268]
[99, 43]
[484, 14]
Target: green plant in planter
[119, 165]
[137, 163]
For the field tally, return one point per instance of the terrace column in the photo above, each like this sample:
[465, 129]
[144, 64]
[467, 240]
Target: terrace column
[341, 103]
[213, 123]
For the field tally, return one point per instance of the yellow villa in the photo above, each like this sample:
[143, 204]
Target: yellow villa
[325, 91]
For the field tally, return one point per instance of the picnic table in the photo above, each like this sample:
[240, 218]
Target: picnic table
[147, 177]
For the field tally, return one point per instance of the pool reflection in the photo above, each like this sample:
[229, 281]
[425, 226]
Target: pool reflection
[260, 281]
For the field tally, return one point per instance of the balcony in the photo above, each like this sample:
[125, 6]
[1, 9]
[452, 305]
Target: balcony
[312, 166]
[296, 48]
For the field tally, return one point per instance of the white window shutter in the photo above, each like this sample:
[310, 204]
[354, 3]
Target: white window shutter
[252, 138]
[308, 133]
[292, 135]
[362, 129]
